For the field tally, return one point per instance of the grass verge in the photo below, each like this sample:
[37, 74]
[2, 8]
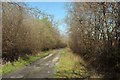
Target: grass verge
[70, 66]
[22, 62]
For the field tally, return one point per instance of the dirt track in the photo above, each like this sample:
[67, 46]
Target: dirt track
[42, 68]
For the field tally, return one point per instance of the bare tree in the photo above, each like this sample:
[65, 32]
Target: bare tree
[94, 34]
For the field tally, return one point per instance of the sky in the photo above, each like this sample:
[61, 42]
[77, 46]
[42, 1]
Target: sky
[57, 9]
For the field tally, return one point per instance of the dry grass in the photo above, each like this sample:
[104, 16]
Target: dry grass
[71, 66]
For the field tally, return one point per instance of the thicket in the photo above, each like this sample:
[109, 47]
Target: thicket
[27, 31]
[94, 33]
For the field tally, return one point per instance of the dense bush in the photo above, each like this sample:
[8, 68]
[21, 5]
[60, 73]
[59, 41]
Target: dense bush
[94, 33]
[26, 31]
